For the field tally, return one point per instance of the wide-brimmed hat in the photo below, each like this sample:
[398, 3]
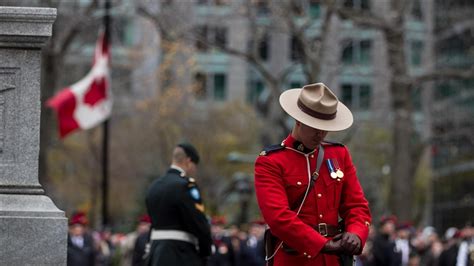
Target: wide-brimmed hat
[316, 106]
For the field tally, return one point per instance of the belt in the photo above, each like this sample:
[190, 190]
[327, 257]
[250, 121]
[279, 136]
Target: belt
[173, 235]
[326, 230]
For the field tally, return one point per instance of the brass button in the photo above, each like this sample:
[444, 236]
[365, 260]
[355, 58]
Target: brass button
[312, 155]
[298, 183]
[320, 216]
[305, 253]
[319, 195]
[309, 256]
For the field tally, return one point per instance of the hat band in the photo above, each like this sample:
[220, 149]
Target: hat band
[313, 113]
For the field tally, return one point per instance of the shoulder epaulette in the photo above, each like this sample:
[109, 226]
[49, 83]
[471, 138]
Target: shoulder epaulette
[272, 148]
[191, 181]
[327, 142]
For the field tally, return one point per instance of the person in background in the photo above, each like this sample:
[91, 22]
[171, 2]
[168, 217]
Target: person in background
[402, 242]
[128, 246]
[81, 250]
[384, 250]
[252, 249]
[180, 232]
[143, 238]
[449, 255]
[222, 249]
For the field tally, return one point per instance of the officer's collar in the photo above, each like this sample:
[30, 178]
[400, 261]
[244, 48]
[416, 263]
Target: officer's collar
[179, 169]
[291, 142]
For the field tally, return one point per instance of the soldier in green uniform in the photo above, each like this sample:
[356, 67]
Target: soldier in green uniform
[180, 233]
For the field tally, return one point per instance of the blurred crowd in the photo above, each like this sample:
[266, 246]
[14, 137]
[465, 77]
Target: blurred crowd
[232, 246]
[390, 243]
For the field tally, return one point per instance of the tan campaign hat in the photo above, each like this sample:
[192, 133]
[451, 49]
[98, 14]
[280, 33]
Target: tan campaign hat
[316, 106]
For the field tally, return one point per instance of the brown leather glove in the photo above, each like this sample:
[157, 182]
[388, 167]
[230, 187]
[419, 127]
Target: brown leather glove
[350, 243]
[334, 246]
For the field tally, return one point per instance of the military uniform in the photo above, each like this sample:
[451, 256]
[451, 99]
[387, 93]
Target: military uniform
[180, 231]
[282, 175]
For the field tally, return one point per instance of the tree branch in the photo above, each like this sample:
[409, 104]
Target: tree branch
[77, 27]
[451, 73]
[363, 18]
[455, 29]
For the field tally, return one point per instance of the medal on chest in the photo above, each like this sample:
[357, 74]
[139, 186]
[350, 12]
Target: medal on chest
[334, 169]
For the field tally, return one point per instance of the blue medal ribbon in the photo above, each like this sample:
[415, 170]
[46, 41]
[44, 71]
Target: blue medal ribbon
[330, 165]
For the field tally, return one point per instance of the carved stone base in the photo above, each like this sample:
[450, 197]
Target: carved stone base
[31, 227]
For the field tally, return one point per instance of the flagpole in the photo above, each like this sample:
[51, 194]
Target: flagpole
[105, 133]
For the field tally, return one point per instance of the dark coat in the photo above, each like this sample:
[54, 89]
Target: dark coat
[174, 203]
[252, 255]
[384, 252]
[223, 253]
[81, 256]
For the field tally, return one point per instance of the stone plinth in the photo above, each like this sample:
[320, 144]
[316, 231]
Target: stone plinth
[33, 231]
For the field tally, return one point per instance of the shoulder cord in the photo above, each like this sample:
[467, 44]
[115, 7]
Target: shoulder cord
[311, 181]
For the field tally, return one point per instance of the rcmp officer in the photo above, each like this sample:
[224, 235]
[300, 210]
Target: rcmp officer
[305, 185]
[180, 232]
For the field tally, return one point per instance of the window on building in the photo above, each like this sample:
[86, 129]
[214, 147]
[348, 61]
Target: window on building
[315, 9]
[357, 4]
[296, 49]
[296, 84]
[364, 97]
[220, 36]
[263, 7]
[416, 52]
[356, 96]
[122, 27]
[347, 95]
[206, 35]
[221, 2]
[297, 7]
[263, 48]
[201, 38]
[416, 10]
[210, 86]
[202, 2]
[166, 2]
[348, 52]
[220, 92]
[364, 54]
[255, 89]
[200, 86]
[356, 52]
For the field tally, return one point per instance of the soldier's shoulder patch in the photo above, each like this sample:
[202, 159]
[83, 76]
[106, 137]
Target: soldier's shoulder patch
[332, 143]
[272, 148]
[195, 195]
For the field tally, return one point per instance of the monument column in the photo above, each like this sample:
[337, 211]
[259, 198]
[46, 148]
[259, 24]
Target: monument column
[33, 231]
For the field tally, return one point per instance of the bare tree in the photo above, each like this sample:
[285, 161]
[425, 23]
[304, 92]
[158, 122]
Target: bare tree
[406, 150]
[290, 18]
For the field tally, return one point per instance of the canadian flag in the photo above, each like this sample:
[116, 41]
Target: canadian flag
[87, 102]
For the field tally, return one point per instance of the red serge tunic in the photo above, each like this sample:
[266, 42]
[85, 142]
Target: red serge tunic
[281, 178]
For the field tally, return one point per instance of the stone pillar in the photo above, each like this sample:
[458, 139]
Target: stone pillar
[33, 231]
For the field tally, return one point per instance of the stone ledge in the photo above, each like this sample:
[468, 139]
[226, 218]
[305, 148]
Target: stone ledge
[27, 14]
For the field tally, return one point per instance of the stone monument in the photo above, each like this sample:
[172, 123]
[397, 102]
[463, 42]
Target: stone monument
[33, 231]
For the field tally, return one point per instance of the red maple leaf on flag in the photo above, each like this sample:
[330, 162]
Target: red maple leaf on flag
[97, 92]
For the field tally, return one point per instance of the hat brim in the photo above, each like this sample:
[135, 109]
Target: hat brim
[343, 119]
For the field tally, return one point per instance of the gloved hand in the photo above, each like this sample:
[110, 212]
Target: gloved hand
[334, 246]
[350, 243]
